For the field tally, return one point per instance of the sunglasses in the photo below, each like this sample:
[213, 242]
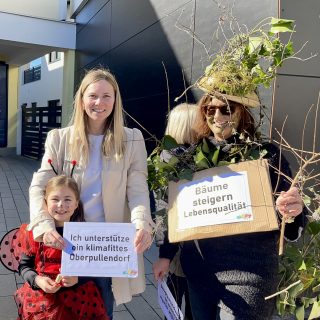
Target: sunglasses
[226, 110]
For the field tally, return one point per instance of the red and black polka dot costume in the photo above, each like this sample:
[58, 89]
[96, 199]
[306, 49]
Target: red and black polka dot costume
[82, 301]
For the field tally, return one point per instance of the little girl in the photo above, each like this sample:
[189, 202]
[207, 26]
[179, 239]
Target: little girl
[47, 294]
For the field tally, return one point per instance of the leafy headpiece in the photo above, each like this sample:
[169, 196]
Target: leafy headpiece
[247, 61]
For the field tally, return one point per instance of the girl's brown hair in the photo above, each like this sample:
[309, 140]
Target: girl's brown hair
[246, 124]
[65, 181]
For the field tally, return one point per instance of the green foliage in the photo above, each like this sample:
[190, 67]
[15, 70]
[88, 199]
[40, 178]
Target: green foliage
[248, 60]
[300, 265]
[169, 162]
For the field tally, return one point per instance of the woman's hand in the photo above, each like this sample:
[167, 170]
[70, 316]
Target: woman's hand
[142, 240]
[289, 203]
[68, 281]
[46, 284]
[161, 268]
[53, 239]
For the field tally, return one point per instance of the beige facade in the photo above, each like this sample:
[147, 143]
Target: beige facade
[47, 27]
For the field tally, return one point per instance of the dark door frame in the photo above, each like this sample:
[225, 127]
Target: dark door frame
[3, 104]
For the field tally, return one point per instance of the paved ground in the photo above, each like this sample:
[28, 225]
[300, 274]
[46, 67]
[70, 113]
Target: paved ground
[15, 176]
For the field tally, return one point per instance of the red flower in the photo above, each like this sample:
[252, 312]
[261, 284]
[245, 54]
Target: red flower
[50, 161]
[74, 162]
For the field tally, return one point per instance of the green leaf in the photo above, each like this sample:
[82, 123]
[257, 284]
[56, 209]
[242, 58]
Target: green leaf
[215, 156]
[223, 163]
[315, 311]
[169, 143]
[173, 161]
[300, 313]
[263, 153]
[302, 266]
[294, 255]
[289, 49]
[164, 166]
[281, 25]
[186, 174]
[306, 200]
[313, 227]
[201, 160]
[316, 288]
[254, 154]
[254, 43]
[204, 146]
[294, 291]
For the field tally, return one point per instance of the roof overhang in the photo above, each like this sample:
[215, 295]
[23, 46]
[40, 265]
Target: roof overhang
[24, 38]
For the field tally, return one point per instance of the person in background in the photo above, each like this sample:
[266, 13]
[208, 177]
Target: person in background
[44, 295]
[180, 127]
[109, 164]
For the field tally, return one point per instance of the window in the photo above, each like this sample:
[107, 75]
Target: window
[32, 74]
[54, 56]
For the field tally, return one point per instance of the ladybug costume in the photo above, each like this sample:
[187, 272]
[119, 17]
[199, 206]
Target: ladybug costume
[82, 301]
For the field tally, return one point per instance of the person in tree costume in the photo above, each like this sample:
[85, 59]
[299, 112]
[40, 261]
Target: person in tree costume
[229, 277]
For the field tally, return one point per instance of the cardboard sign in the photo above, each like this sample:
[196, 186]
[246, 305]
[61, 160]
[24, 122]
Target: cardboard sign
[99, 250]
[167, 302]
[222, 201]
[214, 200]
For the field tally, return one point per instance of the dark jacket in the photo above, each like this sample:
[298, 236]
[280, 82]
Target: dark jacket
[236, 266]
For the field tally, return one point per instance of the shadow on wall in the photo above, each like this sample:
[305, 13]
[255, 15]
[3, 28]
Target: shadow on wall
[147, 43]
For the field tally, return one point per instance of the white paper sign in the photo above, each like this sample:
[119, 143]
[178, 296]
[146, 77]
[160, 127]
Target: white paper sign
[167, 303]
[99, 250]
[214, 200]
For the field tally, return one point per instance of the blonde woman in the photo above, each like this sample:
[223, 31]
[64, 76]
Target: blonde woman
[109, 164]
[180, 125]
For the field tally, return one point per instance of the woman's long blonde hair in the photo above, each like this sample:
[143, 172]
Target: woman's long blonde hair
[113, 141]
[180, 125]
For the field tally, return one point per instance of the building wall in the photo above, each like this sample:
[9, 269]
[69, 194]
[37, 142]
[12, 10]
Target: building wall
[49, 87]
[35, 8]
[68, 86]
[12, 106]
[298, 83]
[147, 43]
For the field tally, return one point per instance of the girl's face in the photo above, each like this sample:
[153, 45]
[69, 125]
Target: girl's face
[222, 119]
[98, 101]
[61, 203]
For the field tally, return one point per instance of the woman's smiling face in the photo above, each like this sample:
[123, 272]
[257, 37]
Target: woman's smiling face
[98, 102]
[222, 119]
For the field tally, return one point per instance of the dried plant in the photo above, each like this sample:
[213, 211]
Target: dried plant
[300, 262]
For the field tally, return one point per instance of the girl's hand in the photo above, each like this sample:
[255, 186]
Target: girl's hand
[53, 239]
[142, 241]
[68, 281]
[46, 284]
[290, 203]
[161, 268]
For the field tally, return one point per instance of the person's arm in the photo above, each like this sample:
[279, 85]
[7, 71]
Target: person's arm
[167, 251]
[27, 271]
[40, 221]
[281, 185]
[138, 193]
[29, 274]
